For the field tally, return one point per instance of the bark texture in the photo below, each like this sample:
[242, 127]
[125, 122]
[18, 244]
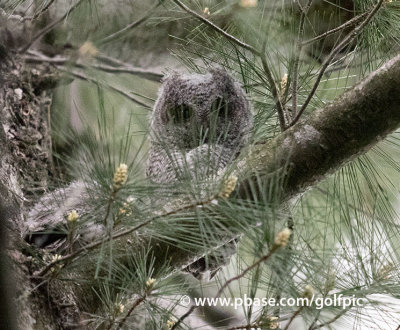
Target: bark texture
[24, 170]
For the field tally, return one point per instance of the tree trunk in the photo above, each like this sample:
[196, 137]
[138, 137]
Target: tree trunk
[25, 155]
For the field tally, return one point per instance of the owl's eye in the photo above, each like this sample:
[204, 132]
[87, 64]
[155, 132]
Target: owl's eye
[221, 107]
[180, 114]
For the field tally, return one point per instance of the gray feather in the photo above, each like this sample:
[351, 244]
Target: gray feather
[203, 142]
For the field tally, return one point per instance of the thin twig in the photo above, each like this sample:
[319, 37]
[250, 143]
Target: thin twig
[217, 28]
[27, 18]
[333, 320]
[135, 304]
[274, 89]
[33, 56]
[49, 27]
[11, 16]
[113, 88]
[315, 72]
[108, 209]
[40, 13]
[132, 25]
[293, 317]
[242, 44]
[242, 274]
[109, 60]
[295, 74]
[235, 278]
[350, 37]
[247, 326]
[316, 318]
[148, 74]
[349, 23]
[120, 234]
[184, 316]
[37, 57]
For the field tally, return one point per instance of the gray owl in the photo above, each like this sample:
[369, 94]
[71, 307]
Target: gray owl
[199, 124]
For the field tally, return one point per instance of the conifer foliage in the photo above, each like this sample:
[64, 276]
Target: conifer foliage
[311, 205]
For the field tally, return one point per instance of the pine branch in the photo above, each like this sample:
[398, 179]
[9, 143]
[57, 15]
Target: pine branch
[123, 233]
[217, 28]
[49, 27]
[348, 39]
[313, 148]
[295, 314]
[305, 153]
[330, 137]
[135, 304]
[281, 241]
[242, 274]
[132, 25]
[345, 25]
[295, 74]
[330, 321]
[184, 316]
[116, 67]
[274, 89]
[82, 76]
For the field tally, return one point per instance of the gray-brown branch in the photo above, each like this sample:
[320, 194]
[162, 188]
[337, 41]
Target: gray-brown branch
[320, 144]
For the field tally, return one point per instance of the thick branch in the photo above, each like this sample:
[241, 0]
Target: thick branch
[331, 136]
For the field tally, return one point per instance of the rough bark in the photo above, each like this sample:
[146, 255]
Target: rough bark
[24, 168]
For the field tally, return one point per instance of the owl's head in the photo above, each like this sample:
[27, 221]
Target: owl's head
[194, 109]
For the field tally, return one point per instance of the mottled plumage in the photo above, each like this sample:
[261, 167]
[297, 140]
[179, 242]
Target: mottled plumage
[199, 124]
[46, 222]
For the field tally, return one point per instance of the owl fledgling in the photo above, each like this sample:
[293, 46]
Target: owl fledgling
[199, 124]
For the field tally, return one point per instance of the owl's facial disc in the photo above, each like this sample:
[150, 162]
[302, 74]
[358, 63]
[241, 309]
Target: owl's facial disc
[182, 125]
[219, 121]
[180, 114]
[192, 127]
[219, 109]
